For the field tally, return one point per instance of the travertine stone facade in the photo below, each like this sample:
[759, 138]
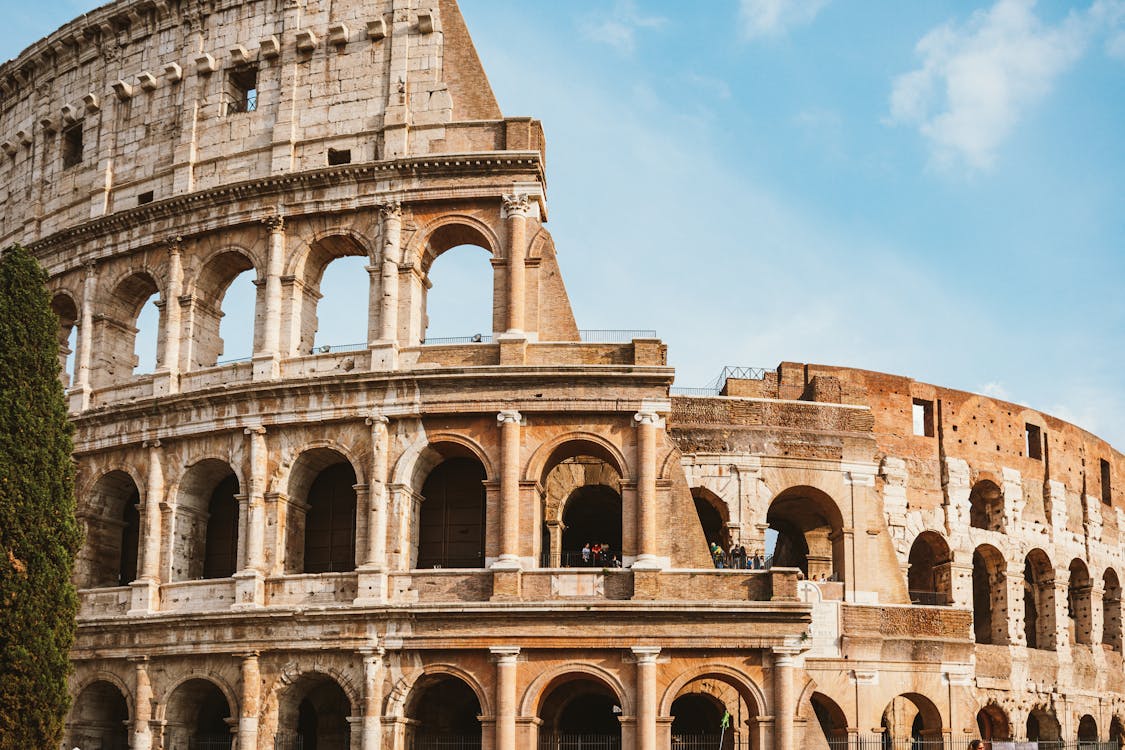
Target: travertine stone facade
[381, 547]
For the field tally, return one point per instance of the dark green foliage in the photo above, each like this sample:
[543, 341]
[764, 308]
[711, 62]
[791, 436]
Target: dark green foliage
[39, 534]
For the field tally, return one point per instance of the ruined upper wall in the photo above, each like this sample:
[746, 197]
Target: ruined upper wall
[142, 101]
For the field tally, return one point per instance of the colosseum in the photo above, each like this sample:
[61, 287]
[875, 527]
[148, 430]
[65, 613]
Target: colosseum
[386, 546]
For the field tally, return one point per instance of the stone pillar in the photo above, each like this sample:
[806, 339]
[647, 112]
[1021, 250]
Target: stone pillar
[372, 720]
[646, 490]
[146, 589]
[392, 257]
[784, 699]
[516, 208]
[1014, 609]
[251, 701]
[250, 581]
[373, 569]
[167, 380]
[646, 696]
[505, 657]
[509, 489]
[266, 360]
[142, 715]
[80, 392]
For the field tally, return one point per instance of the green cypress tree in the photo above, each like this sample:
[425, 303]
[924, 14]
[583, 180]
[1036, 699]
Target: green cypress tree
[39, 534]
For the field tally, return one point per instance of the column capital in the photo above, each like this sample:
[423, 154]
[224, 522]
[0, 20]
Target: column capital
[645, 654]
[517, 205]
[785, 656]
[504, 654]
[153, 444]
[247, 654]
[376, 419]
[391, 209]
[647, 417]
[255, 429]
[509, 416]
[174, 244]
[275, 223]
[91, 267]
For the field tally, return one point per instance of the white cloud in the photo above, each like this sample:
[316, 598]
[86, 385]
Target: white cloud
[995, 389]
[761, 18]
[619, 27]
[977, 80]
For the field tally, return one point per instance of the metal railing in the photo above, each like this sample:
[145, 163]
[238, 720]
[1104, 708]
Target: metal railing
[572, 559]
[476, 338]
[579, 742]
[330, 348]
[285, 740]
[930, 598]
[709, 741]
[445, 742]
[210, 742]
[741, 373]
[233, 361]
[614, 335]
[684, 391]
[886, 742]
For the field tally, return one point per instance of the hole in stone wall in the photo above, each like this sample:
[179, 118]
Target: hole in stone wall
[923, 413]
[145, 197]
[339, 156]
[1034, 441]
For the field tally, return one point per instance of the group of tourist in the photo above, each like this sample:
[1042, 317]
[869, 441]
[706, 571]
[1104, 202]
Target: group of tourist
[599, 556]
[736, 557]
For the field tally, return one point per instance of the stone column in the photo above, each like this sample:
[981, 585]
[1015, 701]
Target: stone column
[168, 380]
[646, 696]
[142, 715]
[509, 489]
[1014, 609]
[373, 673]
[646, 490]
[783, 699]
[373, 569]
[266, 360]
[516, 208]
[250, 581]
[506, 657]
[251, 701]
[392, 256]
[80, 392]
[146, 588]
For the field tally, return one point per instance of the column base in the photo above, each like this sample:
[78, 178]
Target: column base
[145, 598]
[513, 348]
[249, 590]
[650, 562]
[384, 355]
[266, 367]
[371, 586]
[506, 562]
[506, 584]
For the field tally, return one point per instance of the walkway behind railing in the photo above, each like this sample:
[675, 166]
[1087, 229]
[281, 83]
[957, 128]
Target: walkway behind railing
[579, 742]
[572, 559]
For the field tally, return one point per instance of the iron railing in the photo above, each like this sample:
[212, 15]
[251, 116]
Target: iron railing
[233, 361]
[476, 338]
[579, 742]
[288, 741]
[614, 336]
[709, 741]
[716, 386]
[330, 348]
[704, 392]
[210, 742]
[445, 742]
[571, 559]
[886, 742]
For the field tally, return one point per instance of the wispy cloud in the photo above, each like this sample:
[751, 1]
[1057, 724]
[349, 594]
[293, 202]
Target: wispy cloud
[762, 18]
[978, 79]
[618, 28]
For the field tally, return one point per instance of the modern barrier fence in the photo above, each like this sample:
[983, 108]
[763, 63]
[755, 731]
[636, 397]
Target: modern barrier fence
[579, 742]
[211, 742]
[445, 742]
[885, 742]
[572, 559]
[586, 335]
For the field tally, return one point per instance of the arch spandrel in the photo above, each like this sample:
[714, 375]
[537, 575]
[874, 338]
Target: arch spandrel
[398, 697]
[281, 479]
[163, 693]
[447, 231]
[540, 688]
[746, 686]
[421, 456]
[547, 454]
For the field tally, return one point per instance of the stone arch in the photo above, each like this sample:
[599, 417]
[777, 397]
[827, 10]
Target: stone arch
[993, 723]
[314, 703]
[825, 715]
[452, 516]
[929, 580]
[539, 242]
[1117, 730]
[990, 596]
[417, 461]
[911, 715]
[1042, 725]
[110, 550]
[291, 476]
[698, 703]
[536, 692]
[577, 703]
[809, 526]
[1111, 610]
[1079, 604]
[66, 310]
[113, 356]
[1087, 728]
[320, 528]
[449, 231]
[164, 693]
[398, 696]
[725, 672]
[1039, 600]
[100, 714]
[207, 290]
[307, 268]
[549, 453]
[205, 543]
[986, 506]
[714, 516]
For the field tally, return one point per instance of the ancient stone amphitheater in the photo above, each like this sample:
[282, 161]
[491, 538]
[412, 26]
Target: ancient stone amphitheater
[381, 547]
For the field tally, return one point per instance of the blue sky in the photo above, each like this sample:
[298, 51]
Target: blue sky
[930, 189]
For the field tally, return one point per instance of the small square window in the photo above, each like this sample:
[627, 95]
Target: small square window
[923, 418]
[242, 90]
[339, 156]
[1107, 483]
[145, 197]
[1034, 441]
[72, 146]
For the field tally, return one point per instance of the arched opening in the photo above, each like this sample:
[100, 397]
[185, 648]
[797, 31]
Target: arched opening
[109, 554]
[313, 715]
[67, 312]
[1111, 610]
[830, 721]
[929, 579]
[990, 596]
[458, 296]
[579, 711]
[459, 289]
[1087, 729]
[986, 506]
[1117, 732]
[198, 717]
[332, 301]
[451, 519]
[321, 522]
[222, 310]
[99, 718]
[993, 725]
[582, 507]
[1042, 726]
[698, 711]
[809, 531]
[911, 720]
[444, 713]
[1039, 601]
[205, 544]
[129, 335]
[1078, 604]
[713, 517]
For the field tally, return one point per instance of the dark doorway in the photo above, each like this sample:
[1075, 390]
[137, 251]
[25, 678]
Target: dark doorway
[221, 556]
[330, 522]
[580, 713]
[446, 712]
[451, 522]
[592, 515]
